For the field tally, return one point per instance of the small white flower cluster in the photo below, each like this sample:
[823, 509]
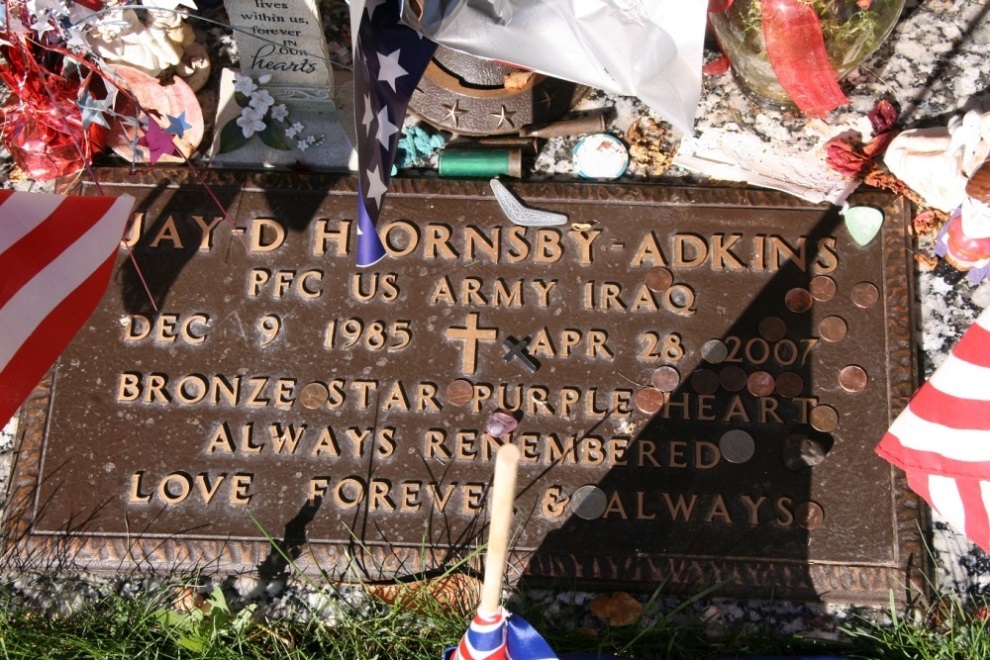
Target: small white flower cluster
[260, 104]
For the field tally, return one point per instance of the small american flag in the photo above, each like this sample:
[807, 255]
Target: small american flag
[389, 60]
[942, 439]
[503, 636]
[57, 254]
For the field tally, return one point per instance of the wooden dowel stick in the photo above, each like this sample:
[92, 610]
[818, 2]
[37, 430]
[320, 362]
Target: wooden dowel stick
[502, 497]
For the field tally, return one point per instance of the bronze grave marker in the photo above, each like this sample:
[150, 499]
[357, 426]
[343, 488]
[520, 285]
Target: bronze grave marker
[697, 377]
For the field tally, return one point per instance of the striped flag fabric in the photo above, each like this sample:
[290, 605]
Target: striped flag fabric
[501, 636]
[942, 439]
[486, 639]
[57, 253]
[389, 59]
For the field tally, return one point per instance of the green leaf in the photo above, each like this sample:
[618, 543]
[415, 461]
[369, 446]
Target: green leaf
[231, 137]
[242, 100]
[274, 136]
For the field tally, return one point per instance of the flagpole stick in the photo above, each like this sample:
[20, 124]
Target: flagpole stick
[501, 501]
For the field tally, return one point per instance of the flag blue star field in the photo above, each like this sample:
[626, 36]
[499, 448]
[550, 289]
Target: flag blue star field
[389, 59]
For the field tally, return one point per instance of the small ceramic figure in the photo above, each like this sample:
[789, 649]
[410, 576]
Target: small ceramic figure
[964, 242]
[937, 162]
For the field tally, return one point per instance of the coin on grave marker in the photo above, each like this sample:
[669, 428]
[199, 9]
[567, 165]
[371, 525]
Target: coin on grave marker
[588, 502]
[760, 383]
[833, 328]
[809, 515]
[865, 295]
[666, 379]
[801, 452]
[822, 288]
[737, 446]
[798, 300]
[732, 378]
[773, 328]
[714, 351]
[853, 378]
[659, 279]
[704, 381]
[459, 392]
[789, 384]
[314, 395]
[649, 400]
[824, 418]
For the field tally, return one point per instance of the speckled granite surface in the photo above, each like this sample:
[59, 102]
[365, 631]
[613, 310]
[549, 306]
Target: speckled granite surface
[934, 67]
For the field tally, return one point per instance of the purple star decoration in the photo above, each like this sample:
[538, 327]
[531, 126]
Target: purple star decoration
[389, 59]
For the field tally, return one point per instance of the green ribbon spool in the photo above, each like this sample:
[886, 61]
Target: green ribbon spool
[486, 163]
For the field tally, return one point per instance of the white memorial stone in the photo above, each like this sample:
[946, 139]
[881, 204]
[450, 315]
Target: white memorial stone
[283, 50]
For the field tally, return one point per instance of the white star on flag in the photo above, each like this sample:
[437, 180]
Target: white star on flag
[386, 129]
[390, 69]
[376, 187]
[369, 114]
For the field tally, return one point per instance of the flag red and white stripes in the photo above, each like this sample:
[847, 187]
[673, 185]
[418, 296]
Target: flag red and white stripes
[56, 255]
[486, 639]
[942, 439]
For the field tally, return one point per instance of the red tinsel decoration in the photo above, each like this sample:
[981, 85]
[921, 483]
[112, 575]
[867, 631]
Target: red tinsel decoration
[41, 121]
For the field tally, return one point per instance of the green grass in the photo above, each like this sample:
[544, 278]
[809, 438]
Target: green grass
[108, 621]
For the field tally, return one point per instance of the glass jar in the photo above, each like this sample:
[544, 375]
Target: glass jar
[851, 32]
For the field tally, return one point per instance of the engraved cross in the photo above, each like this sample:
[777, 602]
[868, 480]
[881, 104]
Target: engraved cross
[471, 334]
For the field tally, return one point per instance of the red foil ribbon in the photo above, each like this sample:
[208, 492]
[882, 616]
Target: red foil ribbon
[796, 49]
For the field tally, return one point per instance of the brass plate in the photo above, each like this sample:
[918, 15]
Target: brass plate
[343, 411]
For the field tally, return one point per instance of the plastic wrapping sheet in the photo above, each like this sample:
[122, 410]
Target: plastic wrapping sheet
[651, 49]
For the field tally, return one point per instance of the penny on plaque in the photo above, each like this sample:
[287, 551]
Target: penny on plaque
[659, 279]
[714, 351]
[588, 502]
[314, 395]
[822, 288]
[833, 328]
[649, 400]
[737, 446]
[460, 392]
[809, 515]
[773, 328]
[865, 295]
[801, 452]
[789, 384]
[666, 379]
[760, 383]
[853, 378]
[704, 381]
[798, 300]
[732, 378]
[824, 418]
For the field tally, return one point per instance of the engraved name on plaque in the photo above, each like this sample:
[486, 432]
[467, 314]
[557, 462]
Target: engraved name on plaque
[696, 376]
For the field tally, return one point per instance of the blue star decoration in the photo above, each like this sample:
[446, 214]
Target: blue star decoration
[92, 110]
[177, 126]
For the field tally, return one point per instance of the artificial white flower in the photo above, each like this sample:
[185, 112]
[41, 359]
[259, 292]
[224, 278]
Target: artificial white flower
[244, 84]
[303, 144]
[265, 78]
[250, 122]
[294, 130]
[261, 100]
[280, 112]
